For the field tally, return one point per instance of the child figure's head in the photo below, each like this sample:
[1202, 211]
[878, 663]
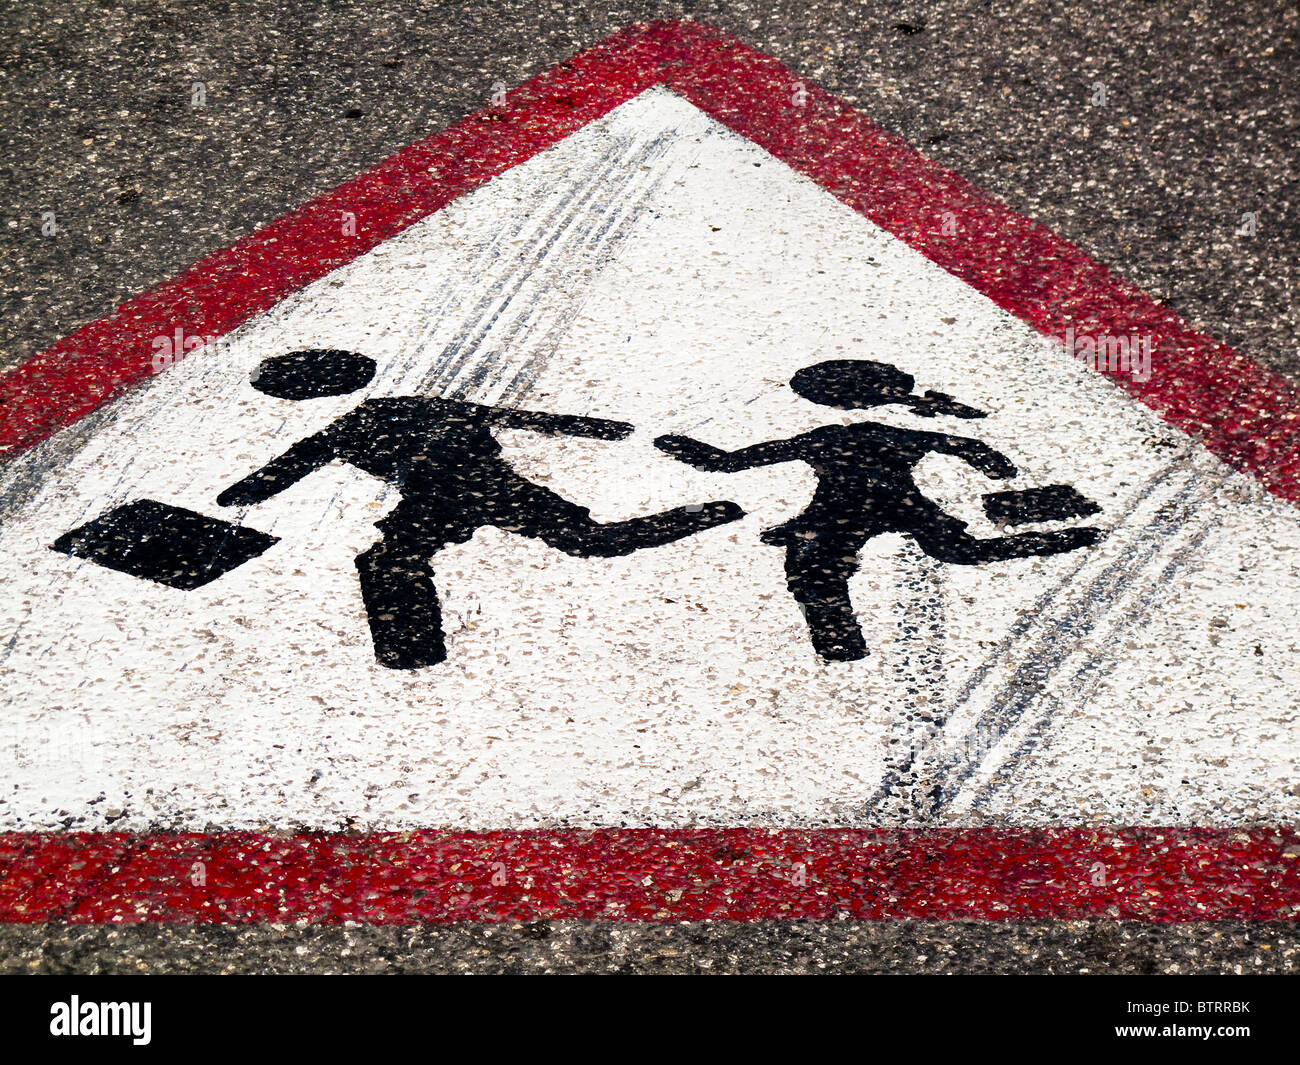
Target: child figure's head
[313, 374]
[853, 384]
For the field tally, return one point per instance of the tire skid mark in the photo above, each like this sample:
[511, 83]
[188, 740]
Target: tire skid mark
[547, 236]
[465, 345]
[918, 666]
[1039, 616]
[1072, 623]
[546, 261]
[597, 244]
[605, 243]
[554, 240]
[1087, 677]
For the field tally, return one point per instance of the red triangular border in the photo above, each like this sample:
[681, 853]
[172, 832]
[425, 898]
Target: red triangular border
[1242, 413]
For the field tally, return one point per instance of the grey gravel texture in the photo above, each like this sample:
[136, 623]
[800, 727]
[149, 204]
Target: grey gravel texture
[1198, 128]
[770, 947]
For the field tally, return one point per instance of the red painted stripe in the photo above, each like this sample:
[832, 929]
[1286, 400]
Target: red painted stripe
[1148, 874]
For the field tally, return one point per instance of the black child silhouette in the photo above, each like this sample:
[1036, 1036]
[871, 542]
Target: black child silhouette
[865, 488]
[441, 456]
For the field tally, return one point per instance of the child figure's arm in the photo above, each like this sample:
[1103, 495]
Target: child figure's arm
[715, 460]
[561, 424]
[978, 454]
[278, 474]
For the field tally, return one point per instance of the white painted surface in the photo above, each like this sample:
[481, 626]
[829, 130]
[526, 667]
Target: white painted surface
[653, 268]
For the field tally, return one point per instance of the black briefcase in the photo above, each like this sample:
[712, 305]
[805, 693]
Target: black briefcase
[1053, 502]
[158, 542]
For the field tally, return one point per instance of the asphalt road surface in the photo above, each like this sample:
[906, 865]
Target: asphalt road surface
[1159, 138]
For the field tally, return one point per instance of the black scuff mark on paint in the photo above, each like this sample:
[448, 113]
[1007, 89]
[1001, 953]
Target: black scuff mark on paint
[465, 345]
[1086, 679]
[918, 668]
[605, 245]
[1063, 627]
[491, 305]
[1007, 649]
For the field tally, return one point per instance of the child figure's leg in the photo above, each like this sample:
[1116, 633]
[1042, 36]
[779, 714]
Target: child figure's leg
[817, 573]
[570, 528]
[402, 604]
[944, 537]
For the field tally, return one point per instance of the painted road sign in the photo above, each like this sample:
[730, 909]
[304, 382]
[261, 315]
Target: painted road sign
[663, 495]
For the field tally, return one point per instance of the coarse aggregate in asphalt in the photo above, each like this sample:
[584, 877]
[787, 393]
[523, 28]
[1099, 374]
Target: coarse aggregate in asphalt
[768, 947]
